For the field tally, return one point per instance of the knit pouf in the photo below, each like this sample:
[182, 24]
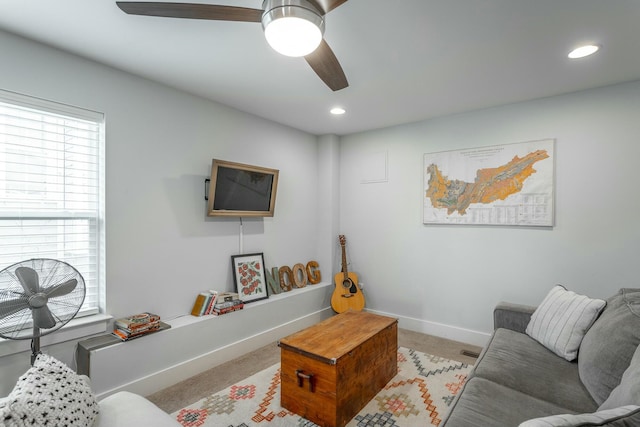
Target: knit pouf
[49, 394]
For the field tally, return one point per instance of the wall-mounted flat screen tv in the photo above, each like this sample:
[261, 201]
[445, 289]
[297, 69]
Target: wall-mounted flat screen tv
[241, 190]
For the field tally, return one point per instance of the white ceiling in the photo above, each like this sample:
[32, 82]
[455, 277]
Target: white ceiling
[406, 60]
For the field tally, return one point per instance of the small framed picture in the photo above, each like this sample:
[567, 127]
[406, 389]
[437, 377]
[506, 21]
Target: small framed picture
[249, 277]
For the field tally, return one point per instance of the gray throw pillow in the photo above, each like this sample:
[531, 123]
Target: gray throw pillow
[608, 347]
[628, 391]
[561, 320]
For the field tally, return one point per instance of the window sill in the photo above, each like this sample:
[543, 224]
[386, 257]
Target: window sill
[75, 329]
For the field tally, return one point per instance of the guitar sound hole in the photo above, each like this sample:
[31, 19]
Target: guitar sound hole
[348, 284]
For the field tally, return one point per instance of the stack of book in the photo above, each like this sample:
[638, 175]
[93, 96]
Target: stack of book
[135, 326]
[224, 307]
[215, 303]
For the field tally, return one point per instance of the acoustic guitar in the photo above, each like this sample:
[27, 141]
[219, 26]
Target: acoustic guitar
[347, 295]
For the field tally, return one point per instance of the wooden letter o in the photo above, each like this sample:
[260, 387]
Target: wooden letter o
[299, 276]
[286, 278]
[313, 272]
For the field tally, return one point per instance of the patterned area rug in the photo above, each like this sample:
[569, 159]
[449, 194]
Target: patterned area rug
[418, 396]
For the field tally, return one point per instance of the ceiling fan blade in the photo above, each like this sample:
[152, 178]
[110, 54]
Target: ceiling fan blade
[328, 5]
[7, 308]
[212, 12]
[326, 65]
[42, 317]
[28, 279]
[61, 289]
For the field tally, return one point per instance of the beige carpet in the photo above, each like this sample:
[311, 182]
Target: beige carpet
[419, 395]
[220, 377]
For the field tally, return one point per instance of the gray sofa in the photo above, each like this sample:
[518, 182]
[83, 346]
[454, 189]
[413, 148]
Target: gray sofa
[517, 381]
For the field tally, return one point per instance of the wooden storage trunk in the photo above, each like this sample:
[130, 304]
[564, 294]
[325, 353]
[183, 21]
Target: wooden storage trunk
[331, 370]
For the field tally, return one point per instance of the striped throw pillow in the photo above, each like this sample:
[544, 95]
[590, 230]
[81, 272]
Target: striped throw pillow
[561, 320]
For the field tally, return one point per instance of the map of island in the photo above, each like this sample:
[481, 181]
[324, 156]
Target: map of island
[490, 184]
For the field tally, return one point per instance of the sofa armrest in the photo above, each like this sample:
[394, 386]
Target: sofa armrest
[125, 409]
[512, 316]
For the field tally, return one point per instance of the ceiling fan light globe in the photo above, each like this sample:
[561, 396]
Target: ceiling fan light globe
[292, 28]
[293, 36]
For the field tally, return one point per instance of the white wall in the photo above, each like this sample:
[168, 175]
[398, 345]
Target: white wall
[161, 248]
[448, 278]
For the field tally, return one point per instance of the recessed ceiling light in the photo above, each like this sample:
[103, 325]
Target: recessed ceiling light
[336, 111]
[582, 51]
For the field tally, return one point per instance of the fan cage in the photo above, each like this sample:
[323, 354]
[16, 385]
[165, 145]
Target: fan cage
[16, 316]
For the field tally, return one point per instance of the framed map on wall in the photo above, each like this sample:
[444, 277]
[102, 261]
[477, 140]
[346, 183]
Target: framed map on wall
[509, 184]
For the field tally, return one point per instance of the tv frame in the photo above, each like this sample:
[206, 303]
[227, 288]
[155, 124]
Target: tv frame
[216, 164]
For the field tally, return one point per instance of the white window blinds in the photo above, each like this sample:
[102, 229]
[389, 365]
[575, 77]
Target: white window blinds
[52, 187]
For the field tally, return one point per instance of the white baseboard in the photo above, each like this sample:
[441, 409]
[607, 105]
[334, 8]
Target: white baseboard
[159, 380]
[439, 329]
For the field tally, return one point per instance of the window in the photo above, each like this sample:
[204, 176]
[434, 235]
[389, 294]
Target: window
[52, 188]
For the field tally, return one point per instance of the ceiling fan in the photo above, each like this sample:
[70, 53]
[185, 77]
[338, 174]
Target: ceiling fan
[274, 14]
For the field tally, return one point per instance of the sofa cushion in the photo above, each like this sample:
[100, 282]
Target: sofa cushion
[562, 319]
[625, 416]
[519, 362]
[628, 391]
[608, 347]
[49, 394]
[484, 403]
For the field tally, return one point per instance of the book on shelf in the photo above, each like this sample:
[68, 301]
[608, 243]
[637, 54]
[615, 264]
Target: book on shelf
[204, 303]
[136, 321]
[125, 335]
[229, 303]
[227, 296]
[136, 325]
[148, 327]
[211, 303]
[199, 304]
[224, 310]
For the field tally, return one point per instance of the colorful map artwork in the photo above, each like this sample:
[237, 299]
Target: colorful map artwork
[508, 184]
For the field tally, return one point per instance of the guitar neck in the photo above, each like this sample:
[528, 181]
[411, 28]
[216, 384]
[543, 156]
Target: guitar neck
[344, 263]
